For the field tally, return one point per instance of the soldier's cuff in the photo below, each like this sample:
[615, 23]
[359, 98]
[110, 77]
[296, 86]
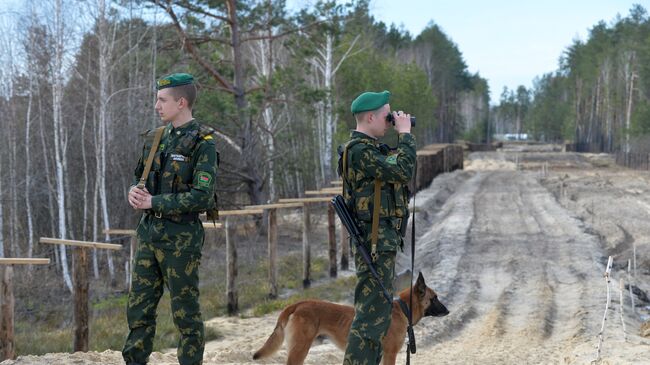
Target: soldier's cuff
[406, 137]
[157, 204]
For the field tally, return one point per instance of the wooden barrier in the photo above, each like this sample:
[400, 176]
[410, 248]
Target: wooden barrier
[637, 161]
[331, 229]
[80, 273]
[433, 160]
[132, 242]
[231, 249]
[272, 241]
[328, 191]
[7, 303]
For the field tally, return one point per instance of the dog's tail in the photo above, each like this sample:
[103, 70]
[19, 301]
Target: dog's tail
[274, 342]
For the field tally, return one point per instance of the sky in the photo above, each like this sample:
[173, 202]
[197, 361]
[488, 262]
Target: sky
[508, 42]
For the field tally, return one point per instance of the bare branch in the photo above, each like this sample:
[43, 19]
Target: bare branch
[186, 5]
[229, 140]
[347, 53]
[280, 35]
[189, 46]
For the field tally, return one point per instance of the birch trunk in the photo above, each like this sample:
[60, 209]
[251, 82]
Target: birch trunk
[13, 193]
[105, 51]
[57, 98]
[326, 68]
[28, 175]
[629, 83]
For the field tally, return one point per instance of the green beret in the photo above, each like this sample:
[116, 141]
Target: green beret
[370, 101]
[174, 80]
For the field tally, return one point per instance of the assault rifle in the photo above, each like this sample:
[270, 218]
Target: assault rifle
[350, 223]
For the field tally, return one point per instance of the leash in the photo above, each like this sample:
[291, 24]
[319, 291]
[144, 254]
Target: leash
[410, 346]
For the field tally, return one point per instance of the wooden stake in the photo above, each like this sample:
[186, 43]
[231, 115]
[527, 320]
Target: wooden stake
[306, 249]
[7, 308]
[634, 259]
[231, 263]
[602, 327]
[621, 288]
[331, 230]
[273, 252]
[81, 300]
[629, 280]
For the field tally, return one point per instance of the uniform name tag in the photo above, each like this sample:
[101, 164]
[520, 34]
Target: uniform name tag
[177, 157]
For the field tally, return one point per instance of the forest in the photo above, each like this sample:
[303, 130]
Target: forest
[598, 98]
[77, 91]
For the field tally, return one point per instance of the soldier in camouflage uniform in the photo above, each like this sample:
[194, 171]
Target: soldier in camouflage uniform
[365, 166]
[170, 235]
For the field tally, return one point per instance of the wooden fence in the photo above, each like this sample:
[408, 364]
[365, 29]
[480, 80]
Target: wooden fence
[637, 161]
[435, 159]
[432, 160]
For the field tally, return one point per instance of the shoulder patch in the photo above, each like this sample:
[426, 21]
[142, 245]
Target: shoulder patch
[391, 160]
[203, 179]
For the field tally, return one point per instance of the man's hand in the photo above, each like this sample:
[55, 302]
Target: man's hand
[402, 122]
[139, 198]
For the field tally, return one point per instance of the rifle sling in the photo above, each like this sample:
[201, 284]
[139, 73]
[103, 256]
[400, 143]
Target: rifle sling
[152, 153]
[374, 234]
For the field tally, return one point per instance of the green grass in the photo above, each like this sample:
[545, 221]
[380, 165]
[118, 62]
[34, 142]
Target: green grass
[108, 326]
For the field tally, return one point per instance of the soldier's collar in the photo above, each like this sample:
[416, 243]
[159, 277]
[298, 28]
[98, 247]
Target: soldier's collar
[184, 128]
[363, 136]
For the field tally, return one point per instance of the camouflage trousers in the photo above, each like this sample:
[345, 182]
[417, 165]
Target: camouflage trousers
[372, 312]
[178, 271]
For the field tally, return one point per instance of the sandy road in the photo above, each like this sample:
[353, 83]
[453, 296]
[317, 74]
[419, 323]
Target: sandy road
[520, 273]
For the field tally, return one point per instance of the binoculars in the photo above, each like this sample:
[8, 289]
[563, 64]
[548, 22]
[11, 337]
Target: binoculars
[390, 118]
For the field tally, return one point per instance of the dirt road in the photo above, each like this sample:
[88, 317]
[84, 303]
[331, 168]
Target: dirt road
[520, 270]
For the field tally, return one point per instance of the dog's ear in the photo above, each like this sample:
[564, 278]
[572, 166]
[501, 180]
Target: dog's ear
[420, 286]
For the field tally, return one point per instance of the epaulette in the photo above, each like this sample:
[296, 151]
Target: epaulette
[206, 133]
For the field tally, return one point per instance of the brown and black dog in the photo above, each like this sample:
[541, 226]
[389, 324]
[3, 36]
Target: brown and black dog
[304, 321]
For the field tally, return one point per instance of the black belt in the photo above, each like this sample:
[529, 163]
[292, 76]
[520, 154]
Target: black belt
[177, 218]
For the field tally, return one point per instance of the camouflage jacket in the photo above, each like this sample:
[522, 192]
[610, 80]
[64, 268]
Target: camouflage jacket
[367, 160]
[182, 177]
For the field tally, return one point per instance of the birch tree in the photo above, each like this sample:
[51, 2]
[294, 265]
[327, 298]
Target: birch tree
[59, 131]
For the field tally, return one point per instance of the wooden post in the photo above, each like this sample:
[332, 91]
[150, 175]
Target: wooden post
[80, 342]
[345, 247]
[602, 328]
[331, 229]
[7, 308]
[231, 263]
[7, 303]
[81, 300]
[273, 252]
[629, 286]
[306, 249]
